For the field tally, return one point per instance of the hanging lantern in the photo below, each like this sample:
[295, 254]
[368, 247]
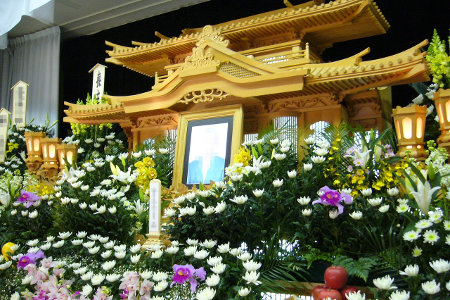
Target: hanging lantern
[66, 153]
[34, 159]
[442, 102]
[50, 157]
[410, 127]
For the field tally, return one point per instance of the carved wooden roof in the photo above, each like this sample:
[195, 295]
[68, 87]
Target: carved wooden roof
[216, 73]
[320, 25]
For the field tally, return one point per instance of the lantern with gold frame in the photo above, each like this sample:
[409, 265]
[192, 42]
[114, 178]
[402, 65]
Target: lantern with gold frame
[49, 153]
[34, 152]
[67, 154]
[410, 127]
[442, 102]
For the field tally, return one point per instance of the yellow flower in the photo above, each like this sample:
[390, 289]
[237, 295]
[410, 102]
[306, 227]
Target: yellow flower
[151, 173]
[139, 164]
[148, 162]
[243, 156]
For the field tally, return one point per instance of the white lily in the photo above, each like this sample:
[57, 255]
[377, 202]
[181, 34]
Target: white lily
[423, 195]
[363, 156]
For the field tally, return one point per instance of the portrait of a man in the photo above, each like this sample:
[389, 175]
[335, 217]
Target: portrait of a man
[207, 153]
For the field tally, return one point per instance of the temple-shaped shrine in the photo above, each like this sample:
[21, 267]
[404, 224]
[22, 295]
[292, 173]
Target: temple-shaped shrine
[270, 64]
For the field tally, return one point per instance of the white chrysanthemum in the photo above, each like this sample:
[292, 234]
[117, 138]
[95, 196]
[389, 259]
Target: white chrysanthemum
[33, 214]
[135, 258]
[97, 279]
[94, 250]
[277, 183]
[172, 249]
[292, 174]
[366, 192]
[307, 212]
[435, 216]
[279, 156]
[333, 214]
[355, 296]
[321, 151]
[447, 225]
[64, 235]
[318, 159]
[393, 191]
[384, 283]
[244, 291]
[224, 248]
[219, 268]
[58, 244]
[209, 243]
[307, 167]
[258, 193]
[122, 247]
[244, 256]
[356, 215]
[410, 270]
[32, 243]
[89, 244]
[383, 208]
[252, 277]
[213, 280]
[399, 295]
[113, 277]
[192, 242]
[431, 236]
[179, 200]
[215, 260]
[108, 265]
[82, 205]
[135, 248]
[109, 245]
[411, 235]
[46, 246]
[87, 276]
[440, 266]
[120, 254]
[103, 239]
[417, 252]
[146, 274]
[239, 199]
[431, 287]
[251, 265]
[157, 254]
[160, 276]
[304, 200]
[375, 201]
[206, 294]
[235, 251]
[220, 207]
[208, 210]
[189, 251]
[86, 290]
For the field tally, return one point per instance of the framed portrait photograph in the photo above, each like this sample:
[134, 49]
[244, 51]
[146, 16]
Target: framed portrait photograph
[206, 142]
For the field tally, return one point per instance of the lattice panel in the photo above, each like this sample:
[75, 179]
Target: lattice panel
[236, 71]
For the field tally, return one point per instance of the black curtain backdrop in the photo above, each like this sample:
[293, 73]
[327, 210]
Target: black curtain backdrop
[411, 21]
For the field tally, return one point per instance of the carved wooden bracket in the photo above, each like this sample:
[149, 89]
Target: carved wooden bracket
[203, 96]
[212, 34]
[199, 58]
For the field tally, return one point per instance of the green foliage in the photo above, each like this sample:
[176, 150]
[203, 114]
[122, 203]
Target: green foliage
[359, 268]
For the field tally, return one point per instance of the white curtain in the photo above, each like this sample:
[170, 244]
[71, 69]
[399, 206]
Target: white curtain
[34, 59]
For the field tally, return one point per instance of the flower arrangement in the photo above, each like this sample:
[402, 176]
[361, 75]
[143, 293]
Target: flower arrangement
[348, 201]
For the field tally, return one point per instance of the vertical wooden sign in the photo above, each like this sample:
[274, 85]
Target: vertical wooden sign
[20, 93]
[154, 212]
[4, 116]
[98, 81]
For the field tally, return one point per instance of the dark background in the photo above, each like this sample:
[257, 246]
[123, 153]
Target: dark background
[412, 21]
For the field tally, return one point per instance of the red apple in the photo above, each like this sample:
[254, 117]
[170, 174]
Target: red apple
[335, 277]
[317, 289]
[346, 290]
[329, 293]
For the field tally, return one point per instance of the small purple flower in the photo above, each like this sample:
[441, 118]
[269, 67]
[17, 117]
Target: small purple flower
[30, 258]
[187, 272]
[333, 198]
[27, 198]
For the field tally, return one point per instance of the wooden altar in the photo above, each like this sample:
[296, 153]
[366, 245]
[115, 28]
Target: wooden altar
[270, 63]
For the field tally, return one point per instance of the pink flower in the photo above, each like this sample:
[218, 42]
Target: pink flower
[146, 287]
[333, 198]
[27, 198]
[187, 272]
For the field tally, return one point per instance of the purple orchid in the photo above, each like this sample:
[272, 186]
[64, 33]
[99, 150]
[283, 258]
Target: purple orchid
[30, 258]
[187, 272]
[27, 198]
[333, 198]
